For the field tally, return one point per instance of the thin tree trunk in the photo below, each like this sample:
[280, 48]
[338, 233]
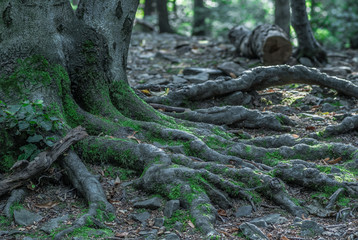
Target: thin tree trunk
[199, 26]
[149, 7]
[307, 44]
[163, 17]
[283, 15]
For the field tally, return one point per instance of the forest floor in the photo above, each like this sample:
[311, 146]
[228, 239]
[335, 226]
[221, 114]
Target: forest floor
[161, 60]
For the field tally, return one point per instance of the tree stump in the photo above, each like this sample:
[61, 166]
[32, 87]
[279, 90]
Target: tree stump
[267, 42]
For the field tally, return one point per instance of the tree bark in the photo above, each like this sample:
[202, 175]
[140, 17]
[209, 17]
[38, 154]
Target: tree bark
[199, 26]
[163, 17]
[307, 44]
[283, 15]
[149, 7]
[267, 42]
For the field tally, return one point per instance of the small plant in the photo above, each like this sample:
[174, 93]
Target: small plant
[178, 216]
[33, 126]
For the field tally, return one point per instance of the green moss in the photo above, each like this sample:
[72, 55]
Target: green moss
[272, 158]
[30, 71]
[7, 161]
[175, 193]
[100, 152]
[215, 143]
[343, 201]
[191, 152]
[122, 173]
[324, 169]
[129, 104]
[248, 149]
[221, 133]
[4, 223]
[330, 189]
[178, 216]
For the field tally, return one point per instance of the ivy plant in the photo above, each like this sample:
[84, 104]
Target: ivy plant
[32, 125]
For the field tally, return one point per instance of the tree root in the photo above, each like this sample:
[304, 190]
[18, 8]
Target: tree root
[83, 220]
[26, 170]
[347, 125]
[257, 79]
[17, 196]
[91, 189]
[237, 116]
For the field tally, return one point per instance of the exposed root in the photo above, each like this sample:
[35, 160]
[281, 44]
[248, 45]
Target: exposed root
[81, 221]
[307, 175]
[26, 170]
[238, 116]
[91, 189]
[279, 141]
[272, 156]
[347, 125]
[257, 79]
[17, 196]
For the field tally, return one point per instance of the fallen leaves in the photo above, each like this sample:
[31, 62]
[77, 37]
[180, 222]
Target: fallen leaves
[222, 212]
[332, 161]
[133, 137]
[47, 205]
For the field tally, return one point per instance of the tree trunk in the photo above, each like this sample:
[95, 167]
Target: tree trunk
[163, 17]
[199, 26]
[283, 15]
[267, 42]
[307, 44]
[149, 7]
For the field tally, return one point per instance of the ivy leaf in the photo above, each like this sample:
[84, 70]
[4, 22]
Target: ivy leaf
[38, 102]
[12, 110]
[28, 150]
[46, 125]
[34, 139]
[23, 125]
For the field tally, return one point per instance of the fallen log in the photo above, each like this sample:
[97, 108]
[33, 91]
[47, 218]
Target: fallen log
[267, 42]
[42, 162]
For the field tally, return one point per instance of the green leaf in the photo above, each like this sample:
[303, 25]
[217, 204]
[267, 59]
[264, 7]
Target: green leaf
[25, 103]
[34, 139]
[38, 102]
[54, 119]
[49, 143]
[12, 124]
[46, 125]
[12, 109]
[23, 125]
[28, 150]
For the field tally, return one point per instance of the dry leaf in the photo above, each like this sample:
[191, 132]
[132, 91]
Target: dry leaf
[233, 229]
[122, 234]
[222, 212]
[295, 135]
[310, 128]
[146, 92]
[47, 205]
[191, 224]
[334, 161]
[230, 166]
[133, 137]
[284, 238]
[232, 75]
[117, 181]
[166, 91]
